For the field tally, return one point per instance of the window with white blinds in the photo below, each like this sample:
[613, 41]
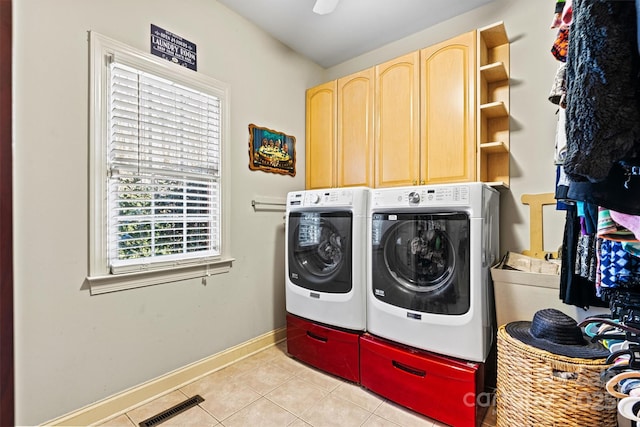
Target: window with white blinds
[164, 169]
[158, 133]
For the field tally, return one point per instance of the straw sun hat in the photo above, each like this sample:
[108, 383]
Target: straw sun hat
[553, 331]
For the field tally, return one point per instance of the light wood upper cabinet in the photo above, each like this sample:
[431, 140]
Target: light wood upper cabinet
[339, 132]
[435, 116]
[448, 133]
[320, 132]
[355, 130]
[397, 139]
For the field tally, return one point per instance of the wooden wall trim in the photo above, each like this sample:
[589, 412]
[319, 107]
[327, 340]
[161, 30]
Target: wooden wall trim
[7, 411]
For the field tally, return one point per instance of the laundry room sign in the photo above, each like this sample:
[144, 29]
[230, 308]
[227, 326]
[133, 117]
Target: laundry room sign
[173, 48]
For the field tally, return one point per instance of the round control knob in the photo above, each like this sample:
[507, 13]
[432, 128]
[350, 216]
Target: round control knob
[414, 197]
[315, 198]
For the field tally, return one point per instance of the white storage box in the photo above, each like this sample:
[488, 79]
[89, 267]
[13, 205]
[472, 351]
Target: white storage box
[519, 294]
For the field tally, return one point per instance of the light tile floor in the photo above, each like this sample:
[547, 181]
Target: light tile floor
[272, 389]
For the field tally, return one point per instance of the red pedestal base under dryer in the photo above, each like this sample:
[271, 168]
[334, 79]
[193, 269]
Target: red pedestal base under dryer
[329, 349]
[442, 388]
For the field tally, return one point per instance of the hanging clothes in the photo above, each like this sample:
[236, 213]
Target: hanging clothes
[562, 21]
[575, 289]
[558, 92]
[558, 96]
[638, 24]
[603, 116]
[619, 191]
[618, 267]
[557, 15]
[631, 222]
[586, 257]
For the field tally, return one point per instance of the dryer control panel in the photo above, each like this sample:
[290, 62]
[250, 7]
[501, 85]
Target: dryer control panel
[421, 196]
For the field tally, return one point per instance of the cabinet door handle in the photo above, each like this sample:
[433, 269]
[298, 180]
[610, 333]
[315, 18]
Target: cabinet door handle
[415, 182]
[316, 337]
[409, 369]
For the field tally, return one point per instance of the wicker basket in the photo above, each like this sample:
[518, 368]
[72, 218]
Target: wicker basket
[538, 388]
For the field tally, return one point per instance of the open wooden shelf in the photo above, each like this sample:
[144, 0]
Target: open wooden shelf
[494, 35]
[495, 147]
[494, 72]
[494, 109]
[498, 185]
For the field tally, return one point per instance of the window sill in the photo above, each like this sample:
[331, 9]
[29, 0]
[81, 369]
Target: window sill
[119, 282]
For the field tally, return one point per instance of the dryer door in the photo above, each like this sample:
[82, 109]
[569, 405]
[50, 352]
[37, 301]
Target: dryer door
[421, 261]
[319, 250]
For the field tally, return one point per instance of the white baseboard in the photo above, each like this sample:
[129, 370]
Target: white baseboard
[123, 402]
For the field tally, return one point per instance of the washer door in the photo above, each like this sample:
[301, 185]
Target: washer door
[319, 250]
[421, 261]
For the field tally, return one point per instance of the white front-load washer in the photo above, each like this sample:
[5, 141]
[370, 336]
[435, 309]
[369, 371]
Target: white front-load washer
[430, 252]
[325, 256]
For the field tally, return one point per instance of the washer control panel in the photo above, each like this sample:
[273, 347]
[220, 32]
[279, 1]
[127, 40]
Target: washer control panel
[310, 198]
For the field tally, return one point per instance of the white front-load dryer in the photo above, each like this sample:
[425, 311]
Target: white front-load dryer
[325, 258]
[430, 251]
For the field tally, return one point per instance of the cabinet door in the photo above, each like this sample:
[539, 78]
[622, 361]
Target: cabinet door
[397, 139]
[320, 144]
[447, 79]
[355, 130]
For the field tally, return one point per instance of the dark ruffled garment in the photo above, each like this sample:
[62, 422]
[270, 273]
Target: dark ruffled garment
[603, 87]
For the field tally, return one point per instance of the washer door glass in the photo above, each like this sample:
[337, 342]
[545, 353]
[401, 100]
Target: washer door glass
[421, 261]
[319, 252]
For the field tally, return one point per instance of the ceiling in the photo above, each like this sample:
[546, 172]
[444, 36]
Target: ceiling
[353, 28]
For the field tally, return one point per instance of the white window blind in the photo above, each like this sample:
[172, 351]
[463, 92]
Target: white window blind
[163, 171]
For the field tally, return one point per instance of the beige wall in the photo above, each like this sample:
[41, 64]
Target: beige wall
[72, 348]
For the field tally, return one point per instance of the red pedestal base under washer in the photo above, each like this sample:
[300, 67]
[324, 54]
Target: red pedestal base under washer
[438, 387]
[329, 349]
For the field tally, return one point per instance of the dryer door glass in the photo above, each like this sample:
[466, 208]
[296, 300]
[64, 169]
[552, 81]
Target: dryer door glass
[421, 261]
[320, 250]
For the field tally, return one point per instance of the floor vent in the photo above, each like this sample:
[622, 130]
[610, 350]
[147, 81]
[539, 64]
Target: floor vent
[172, 412]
